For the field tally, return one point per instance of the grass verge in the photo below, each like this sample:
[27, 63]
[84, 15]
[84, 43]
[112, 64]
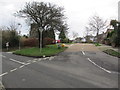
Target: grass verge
[112, 52]
[49, 50]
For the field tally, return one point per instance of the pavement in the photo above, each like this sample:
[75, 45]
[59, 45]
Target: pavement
[80, 66]
[105, 47]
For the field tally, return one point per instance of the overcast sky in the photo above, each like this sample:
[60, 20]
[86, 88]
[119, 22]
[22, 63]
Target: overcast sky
[76, 11]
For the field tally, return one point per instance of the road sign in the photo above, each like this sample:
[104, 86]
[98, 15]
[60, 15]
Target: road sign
[7, 44]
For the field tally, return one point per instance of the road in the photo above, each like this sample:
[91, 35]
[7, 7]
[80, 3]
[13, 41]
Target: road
[80, 66]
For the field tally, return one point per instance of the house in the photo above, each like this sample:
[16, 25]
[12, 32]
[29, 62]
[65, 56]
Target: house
[103, 36]
[89, 38]
[78, 40]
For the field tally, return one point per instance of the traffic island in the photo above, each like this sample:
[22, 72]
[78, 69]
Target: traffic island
[49, 50]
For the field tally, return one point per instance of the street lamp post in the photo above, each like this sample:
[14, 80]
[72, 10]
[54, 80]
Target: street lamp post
[19, 32]
[41, 30]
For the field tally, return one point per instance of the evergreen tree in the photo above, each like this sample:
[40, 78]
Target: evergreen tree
[62, 35]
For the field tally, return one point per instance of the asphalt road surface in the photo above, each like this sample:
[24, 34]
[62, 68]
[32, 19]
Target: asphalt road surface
[80, 66]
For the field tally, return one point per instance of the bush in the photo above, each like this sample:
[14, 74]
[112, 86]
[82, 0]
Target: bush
[48, 41]
[66, 40]
[30, 42]
[107, 41]
[10, 36]
[113, 40]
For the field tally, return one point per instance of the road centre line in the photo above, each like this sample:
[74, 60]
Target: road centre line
[22, 66]
[27, 63]
[83, 52]
[16, 61]
[13, 70]
[3, 74]
[99, 66]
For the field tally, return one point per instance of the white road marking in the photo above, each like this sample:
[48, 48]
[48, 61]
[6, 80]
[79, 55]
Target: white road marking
[3, 56]
[16, 61]
[13, 70]
[2, 86]
[39, 59]
[22, 66]
[51, 58]
[27, 63]
[83, 52]
[3, 74]
[115, 72]
[34, 61]
[99, 66]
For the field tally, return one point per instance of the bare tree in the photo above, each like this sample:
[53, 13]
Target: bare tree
[75, 34]
[88, 31]
[13, 26]
[96, 24]
[45, 15]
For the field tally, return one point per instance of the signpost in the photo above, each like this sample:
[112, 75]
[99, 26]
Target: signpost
[41, 30]
[7, 45]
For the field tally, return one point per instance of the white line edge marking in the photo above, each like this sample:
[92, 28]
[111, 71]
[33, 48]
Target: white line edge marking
[83, 52]
[17, 61]
[99, 66]
[13, 70]
[3, 74]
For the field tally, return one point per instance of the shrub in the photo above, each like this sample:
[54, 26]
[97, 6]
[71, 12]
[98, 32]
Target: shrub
[107, 41]
[48, 41]
[66, 40]
[113, 40]
[10, 36]
[30, 42]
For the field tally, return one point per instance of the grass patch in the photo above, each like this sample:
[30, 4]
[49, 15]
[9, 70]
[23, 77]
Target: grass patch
[97, 44]
[49, 50]
[112, 52]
